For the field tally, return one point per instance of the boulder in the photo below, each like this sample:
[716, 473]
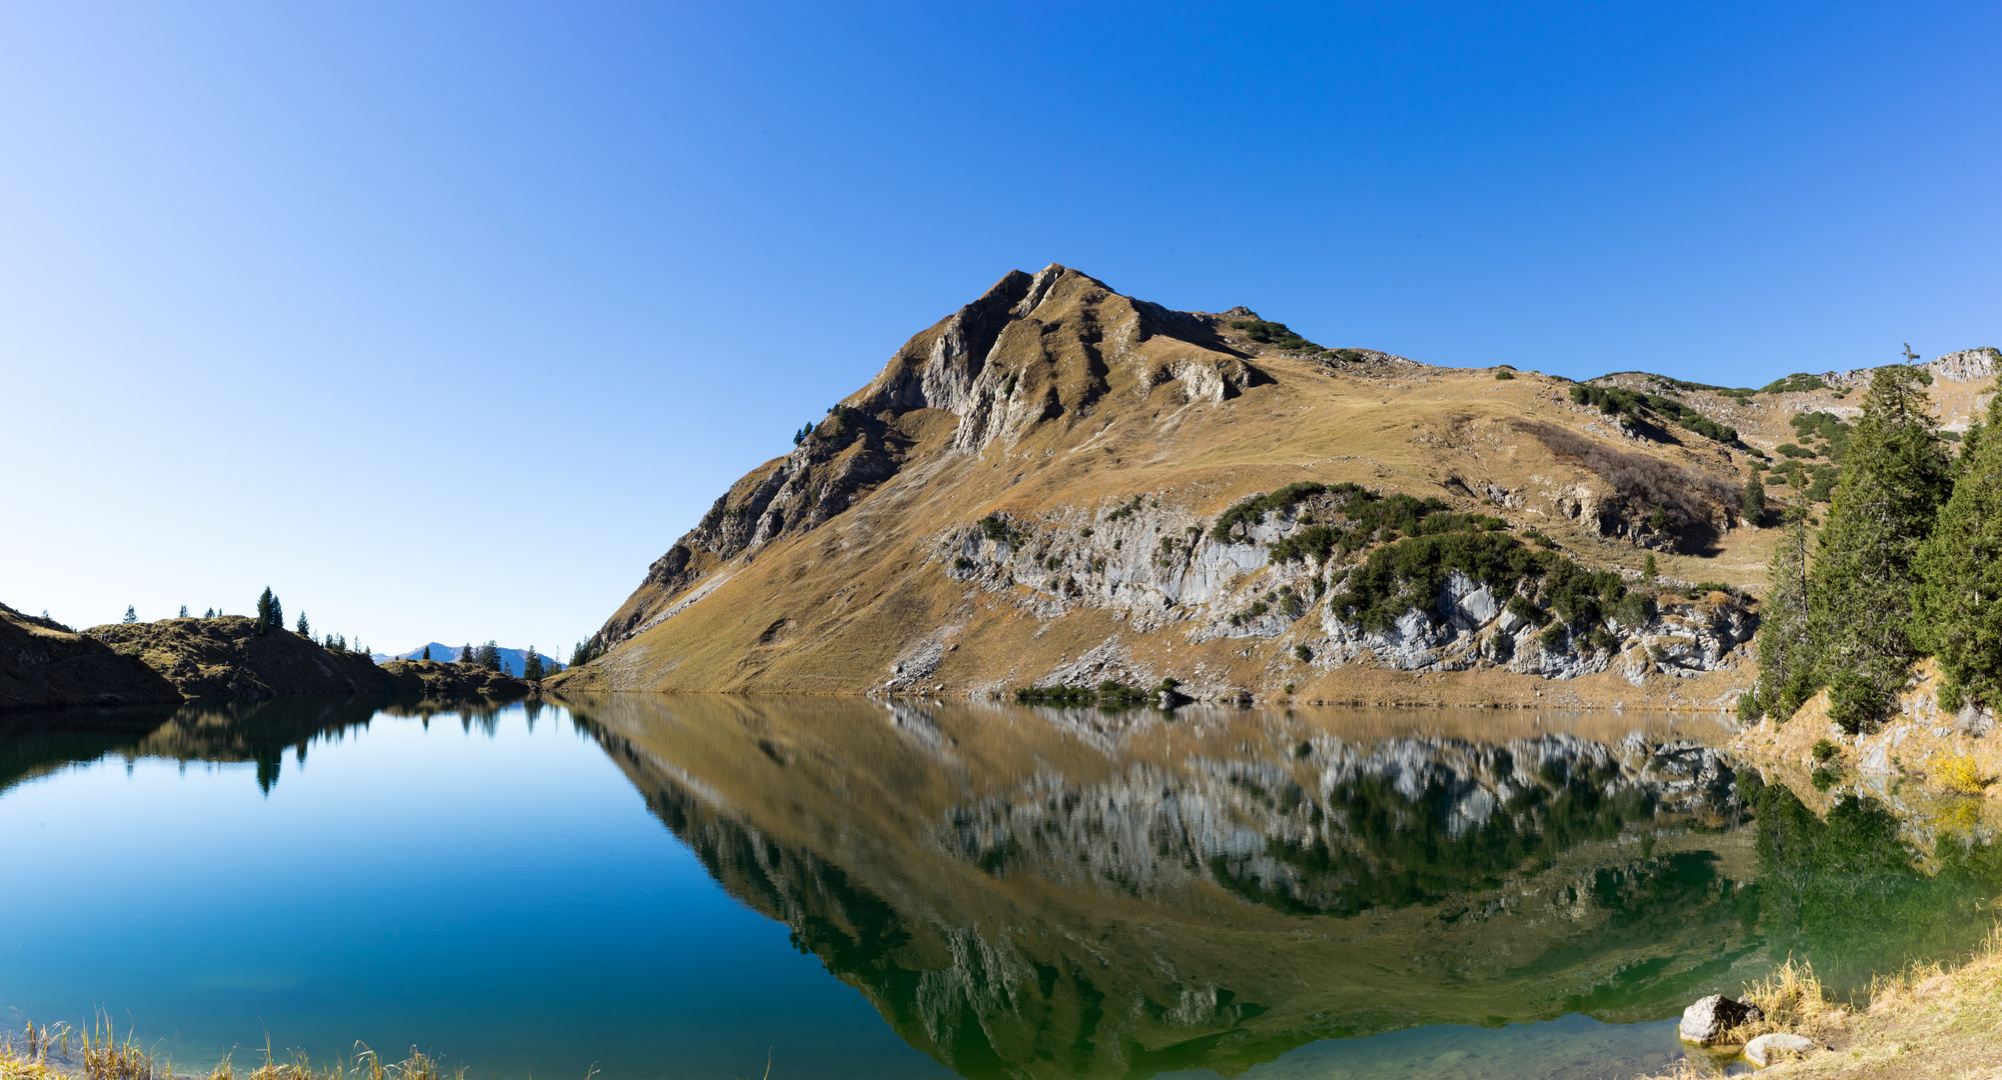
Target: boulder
[1771, 1049]
[1707, 1020]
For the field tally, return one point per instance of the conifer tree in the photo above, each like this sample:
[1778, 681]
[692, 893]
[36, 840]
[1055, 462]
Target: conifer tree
[466, 653]
[184, 611]
[427, 652]
[277, 613]
[1786, 650]
[1957, 611]
[209, 614]
[131, 615]
[531, 665]
[1895, 475]
[305, 628]
[1752, 502]
[264, 610]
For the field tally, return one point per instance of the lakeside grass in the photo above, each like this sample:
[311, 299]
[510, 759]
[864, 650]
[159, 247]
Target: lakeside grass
[62, 1052]
[1926, 1022]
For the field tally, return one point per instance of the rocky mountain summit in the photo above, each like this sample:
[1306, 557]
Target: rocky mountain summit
[1060, 484]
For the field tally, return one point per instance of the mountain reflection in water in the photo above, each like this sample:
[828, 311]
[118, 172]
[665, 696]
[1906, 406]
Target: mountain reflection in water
[1047, 892]
[1058, 893]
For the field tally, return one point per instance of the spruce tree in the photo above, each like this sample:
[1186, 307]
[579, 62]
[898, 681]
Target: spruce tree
[466, 653]
[531, 665]
[1752, 502]
[184, 611]
[305, 628]
[264, 610]
[427, 652]
[1786, 650]
[1957, 611]
[1895, 475]
[277, 613]
[131, 615]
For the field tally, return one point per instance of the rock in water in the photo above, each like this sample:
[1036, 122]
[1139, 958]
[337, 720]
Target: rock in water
[1770, 1049]
[1708, 1019]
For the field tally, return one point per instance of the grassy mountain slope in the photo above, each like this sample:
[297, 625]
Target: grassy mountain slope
[1029, 493]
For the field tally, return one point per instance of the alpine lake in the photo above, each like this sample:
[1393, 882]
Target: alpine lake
[653, 886]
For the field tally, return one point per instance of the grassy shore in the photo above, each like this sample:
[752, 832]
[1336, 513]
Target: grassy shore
[61, 1052]
[1925, 1023]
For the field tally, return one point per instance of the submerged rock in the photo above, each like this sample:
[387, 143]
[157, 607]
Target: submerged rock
[1707, 1020]
[1770, 1049]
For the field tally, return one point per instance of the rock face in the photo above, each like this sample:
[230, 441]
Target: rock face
[1029, 490]
[1706, 1021]
[1777, 1047]
[46, 665]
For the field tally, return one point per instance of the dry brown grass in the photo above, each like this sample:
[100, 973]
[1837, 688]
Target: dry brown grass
[62, 1052]
[1923, 1023]
[1794, 1002]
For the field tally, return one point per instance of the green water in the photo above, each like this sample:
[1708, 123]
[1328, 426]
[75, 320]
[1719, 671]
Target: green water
[679, 886]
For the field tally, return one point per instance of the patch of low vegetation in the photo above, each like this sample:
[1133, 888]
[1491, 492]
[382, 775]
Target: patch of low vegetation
[1125, 511]
[1826, 426]
[1274, 333]
[1002, 531]
[1578, 604]
[1109, 692]
[1613, 401]
[1504, 374]
[1800, 382]
[1369, 518]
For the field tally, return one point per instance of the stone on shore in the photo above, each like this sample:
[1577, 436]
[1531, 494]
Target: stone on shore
[1707, 1020]
[1770, 1049]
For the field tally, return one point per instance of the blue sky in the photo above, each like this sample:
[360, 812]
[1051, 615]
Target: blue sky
[445, 320]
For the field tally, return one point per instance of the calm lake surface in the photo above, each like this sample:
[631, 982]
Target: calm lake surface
[677, 887]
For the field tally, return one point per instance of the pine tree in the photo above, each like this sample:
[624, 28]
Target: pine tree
[1648, 569]
[305, 628]
[427, 652]
[277, 613]
[531, 666]
[1786, 650]
[1957, 612]
[1895, 475]
[490, 657]
[131, 616]
[263, 622]
[209, 614]
[1752, 502]
[466, 653]
[184, 611]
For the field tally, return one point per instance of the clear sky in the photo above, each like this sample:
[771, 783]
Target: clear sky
[445, 320]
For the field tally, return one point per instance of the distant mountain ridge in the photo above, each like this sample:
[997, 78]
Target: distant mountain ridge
[1062, 485]
[512, 659]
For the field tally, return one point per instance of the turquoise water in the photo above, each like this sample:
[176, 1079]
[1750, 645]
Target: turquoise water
[662, 887]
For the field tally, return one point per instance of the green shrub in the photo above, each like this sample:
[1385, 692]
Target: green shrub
[1125, 511]
[1552, 637]
[1504, 375]
[1613, 401]
[1302, 653]
[1792, 450]
[1798, 383]
[1823, 749]
[1272, 333]
[1522, 607]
